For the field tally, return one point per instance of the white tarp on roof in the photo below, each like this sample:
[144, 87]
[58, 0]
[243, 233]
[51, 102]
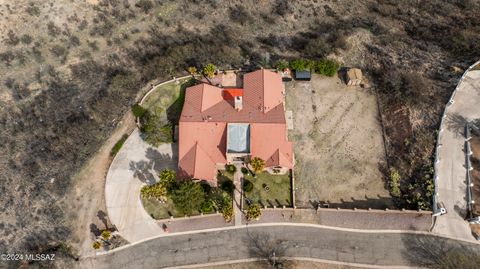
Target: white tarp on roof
[238, 138]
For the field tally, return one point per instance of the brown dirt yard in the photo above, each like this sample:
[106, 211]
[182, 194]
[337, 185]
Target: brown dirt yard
[338, 144]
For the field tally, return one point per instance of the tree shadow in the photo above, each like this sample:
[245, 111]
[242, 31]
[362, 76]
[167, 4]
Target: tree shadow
[103, 217]
[175, 109]
[456, 123]
[436, 252]
[262, 245]
[94, 229]
[147, 170]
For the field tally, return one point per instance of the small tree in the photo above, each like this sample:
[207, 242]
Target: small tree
[106, 234]
[138, 110]
[96, 245]
[253, 212]
[257, 164]
[189, 197]
[192, 70]
[209, 70]
[227, 212]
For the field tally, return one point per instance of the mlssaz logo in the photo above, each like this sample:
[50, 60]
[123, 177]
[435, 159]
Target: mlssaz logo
[40, 257]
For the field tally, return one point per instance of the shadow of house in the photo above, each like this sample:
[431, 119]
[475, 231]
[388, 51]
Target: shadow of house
[175, 109]
[374, 203]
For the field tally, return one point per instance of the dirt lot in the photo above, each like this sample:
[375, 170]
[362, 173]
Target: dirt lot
[338, 144]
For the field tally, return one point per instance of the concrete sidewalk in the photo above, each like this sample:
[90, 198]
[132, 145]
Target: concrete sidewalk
[452, 186]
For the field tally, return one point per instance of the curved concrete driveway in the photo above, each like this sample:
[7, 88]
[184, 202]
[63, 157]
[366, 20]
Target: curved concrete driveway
[452, 187]
[135, 164]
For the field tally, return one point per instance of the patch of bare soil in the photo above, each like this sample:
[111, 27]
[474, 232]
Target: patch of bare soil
[88, 196]
[338, 144]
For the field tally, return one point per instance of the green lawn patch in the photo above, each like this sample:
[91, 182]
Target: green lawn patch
[270, 190]
[158, 210]
[116, 148]
[161, 111]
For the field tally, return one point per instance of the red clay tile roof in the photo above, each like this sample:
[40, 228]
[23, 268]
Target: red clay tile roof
[206, 112]
[269, 142]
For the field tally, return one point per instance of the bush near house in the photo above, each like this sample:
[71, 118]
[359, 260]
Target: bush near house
[231, 168]
[257, 164]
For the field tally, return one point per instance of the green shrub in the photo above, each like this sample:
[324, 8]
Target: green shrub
[227, 212]
[253, 212]
[281, 65]
[231, 168]
[154, 130]
[156, 191]
[116, 148]
[208, 207]
[326, 67]
[209, 70]
[244, 170]
[138, 110]
[168, 178]
[188, 197]
[106, 234]
[258, 164]
[228, 186]
[298, 65]
[247, 185]
[395, 183]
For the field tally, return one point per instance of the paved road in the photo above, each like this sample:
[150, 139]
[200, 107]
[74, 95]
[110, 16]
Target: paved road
[452, 187]
[136, 163]
[366, 248]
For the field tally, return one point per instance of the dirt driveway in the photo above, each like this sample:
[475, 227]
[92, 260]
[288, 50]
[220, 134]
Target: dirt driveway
[338, 144]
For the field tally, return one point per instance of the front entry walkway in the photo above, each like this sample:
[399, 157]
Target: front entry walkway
[237, 195]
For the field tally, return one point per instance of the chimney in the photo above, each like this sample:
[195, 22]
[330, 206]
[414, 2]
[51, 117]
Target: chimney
[238, 103]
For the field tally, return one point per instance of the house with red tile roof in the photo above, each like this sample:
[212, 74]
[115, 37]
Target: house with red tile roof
[221, 125]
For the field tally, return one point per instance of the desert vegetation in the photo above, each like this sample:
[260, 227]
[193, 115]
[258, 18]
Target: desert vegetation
[70, 70]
